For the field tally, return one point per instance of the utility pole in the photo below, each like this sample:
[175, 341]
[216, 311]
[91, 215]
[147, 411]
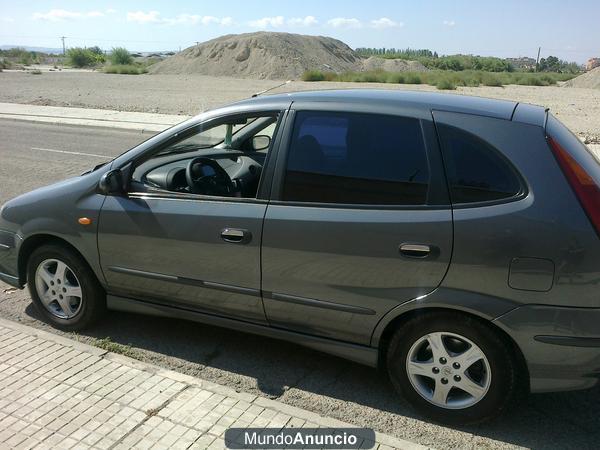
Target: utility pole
[63, 41]
[537, 61]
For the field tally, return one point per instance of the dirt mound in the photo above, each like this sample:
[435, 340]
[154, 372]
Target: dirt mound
[590, 80]
[262, 55]
[392, 65]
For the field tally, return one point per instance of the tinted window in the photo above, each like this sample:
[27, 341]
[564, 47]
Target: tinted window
[356, 158]
[476, 171]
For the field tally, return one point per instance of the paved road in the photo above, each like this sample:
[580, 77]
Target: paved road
[36, 154]
[294, 375]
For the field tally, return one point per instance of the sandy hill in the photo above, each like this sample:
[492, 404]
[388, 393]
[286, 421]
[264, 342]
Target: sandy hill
[261, 55]
[589, 79]
[272, 56]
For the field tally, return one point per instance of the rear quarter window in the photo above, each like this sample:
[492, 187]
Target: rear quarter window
[476, 171]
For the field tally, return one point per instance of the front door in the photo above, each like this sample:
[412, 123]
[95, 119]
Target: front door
[188, 234]
[360, 222]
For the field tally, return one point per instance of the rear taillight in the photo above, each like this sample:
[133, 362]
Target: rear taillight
[585, 188]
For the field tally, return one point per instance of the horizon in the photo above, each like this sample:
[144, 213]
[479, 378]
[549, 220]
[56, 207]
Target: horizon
[516, 30]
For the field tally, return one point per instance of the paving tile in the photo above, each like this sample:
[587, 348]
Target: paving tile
[56, 393]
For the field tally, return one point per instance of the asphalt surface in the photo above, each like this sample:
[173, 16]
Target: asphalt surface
[33, 155]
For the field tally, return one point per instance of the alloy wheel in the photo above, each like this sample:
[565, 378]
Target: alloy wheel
[448, 370]
[58, 288]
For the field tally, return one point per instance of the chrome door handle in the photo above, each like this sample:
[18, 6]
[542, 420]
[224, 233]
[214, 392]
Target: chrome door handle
[415, 250]
[236, 235]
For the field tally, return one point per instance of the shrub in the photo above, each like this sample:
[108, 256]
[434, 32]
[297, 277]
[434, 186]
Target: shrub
[548, 79]
[443, 79]
[35, 72]
[125, 69]
[313, 75]
[120, 56]
[536, 81]
[396, 78]
[374, 77]
[444, 83]
[413, 78]
[84, 57]
[531, 79]
[490, 80]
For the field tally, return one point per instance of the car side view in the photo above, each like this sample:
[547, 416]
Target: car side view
[451, 241]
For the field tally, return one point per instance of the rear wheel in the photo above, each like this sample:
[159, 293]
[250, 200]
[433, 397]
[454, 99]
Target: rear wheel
[63, 288]
[453, 368]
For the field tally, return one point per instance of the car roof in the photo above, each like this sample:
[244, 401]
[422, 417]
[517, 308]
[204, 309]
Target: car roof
[501, 109]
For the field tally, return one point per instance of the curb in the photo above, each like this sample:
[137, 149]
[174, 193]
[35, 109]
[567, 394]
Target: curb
[143, 127]
[149, 122]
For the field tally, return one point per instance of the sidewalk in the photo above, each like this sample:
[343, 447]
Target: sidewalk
[60, 393]
[90, 117]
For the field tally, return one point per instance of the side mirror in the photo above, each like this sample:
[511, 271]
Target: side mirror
[111, 183]
[261, 142]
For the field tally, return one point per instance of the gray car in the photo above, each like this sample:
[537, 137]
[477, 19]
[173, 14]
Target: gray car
[452, 241]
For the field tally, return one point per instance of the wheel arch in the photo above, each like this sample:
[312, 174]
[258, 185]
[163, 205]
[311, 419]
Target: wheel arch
[35, 241]
[405, 315]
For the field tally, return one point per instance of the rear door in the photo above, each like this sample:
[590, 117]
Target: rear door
[359, 221]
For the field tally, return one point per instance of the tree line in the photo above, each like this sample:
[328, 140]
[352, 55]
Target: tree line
[432, 60]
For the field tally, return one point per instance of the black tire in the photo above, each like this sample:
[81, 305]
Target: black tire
[93, 297]
[506, 385]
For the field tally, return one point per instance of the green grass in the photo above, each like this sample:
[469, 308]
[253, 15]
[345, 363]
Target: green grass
[125, 69]
[443, 79]
[114, 347]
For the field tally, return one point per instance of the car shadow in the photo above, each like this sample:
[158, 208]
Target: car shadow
[294, 373]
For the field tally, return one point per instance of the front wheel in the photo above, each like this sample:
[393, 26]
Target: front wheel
[453, 368]
[63, 288]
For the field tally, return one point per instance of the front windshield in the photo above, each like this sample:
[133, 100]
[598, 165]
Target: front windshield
[221, 134]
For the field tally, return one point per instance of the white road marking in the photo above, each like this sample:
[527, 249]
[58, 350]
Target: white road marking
[71, 153]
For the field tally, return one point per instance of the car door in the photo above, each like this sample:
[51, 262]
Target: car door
[359, 221]
[194, 251]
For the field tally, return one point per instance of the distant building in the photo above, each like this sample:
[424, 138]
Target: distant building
[592, 63]
[522, 63]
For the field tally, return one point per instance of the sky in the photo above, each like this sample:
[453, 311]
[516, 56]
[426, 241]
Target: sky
[510, 28]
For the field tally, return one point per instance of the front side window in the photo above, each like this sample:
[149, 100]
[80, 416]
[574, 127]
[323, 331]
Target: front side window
[355, 158]
[223, 158]
[476, 171]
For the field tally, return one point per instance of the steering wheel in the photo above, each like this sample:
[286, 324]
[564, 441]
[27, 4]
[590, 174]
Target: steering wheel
[206, 176]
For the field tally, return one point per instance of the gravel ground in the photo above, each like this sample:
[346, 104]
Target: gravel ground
[297, 376]
[578, 108]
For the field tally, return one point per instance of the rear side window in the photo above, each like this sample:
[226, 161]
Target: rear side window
[476, 171]
[354, 158]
